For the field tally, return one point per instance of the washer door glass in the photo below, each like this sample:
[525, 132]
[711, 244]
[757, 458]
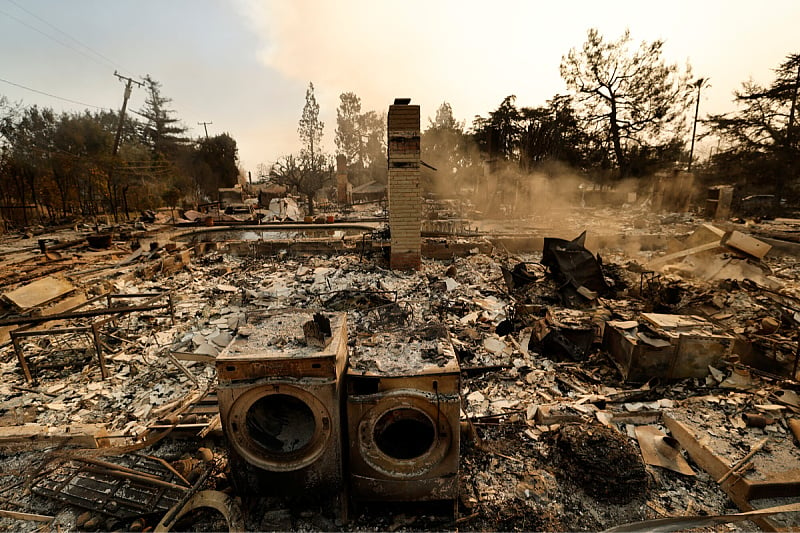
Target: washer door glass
[280, 423]
[281, 427]
[404, 433]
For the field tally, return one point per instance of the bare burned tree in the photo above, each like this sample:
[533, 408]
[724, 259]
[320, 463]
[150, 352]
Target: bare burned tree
[302, 176]
[312, 169]
[632, 95]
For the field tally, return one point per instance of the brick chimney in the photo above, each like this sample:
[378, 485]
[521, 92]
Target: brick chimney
[343, 188]
[405, 201]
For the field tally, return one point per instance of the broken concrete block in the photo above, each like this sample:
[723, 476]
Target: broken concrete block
[234, 321]
[494, 345]
[557, 414]
[502, 405]
[746, 244]
[207, 349]
[658, 262]
[224, 287]
[469, 318]
[476, 397]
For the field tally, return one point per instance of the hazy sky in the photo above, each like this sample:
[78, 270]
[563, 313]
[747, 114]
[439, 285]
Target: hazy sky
[245, 64]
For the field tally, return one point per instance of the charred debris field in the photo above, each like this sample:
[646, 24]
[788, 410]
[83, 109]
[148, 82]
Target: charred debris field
[617, 367]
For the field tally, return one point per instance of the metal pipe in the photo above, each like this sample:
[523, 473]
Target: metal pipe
[757, 420]
[273, 227]
[743, 460]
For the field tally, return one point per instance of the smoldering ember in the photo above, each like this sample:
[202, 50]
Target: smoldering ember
[445, 331]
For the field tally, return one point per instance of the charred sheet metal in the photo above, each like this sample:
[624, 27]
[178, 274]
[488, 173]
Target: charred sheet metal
[224, 503]
[578, 272]
[518, 277]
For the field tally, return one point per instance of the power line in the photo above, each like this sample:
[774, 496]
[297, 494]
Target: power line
[154, 168]
[62, 32]
[62, 43]
[54, 96]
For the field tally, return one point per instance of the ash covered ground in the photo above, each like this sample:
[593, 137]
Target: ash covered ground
[549, 440]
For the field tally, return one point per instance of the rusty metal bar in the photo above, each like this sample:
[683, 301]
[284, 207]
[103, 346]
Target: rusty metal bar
[170, 517]
[113, 466]
[23, 362]
[101, 359]
[82, 314]
[111, 314]
[154, 295]
[79, 306]
[21, 358]
[45, 332]
[134, 477]
[171, 307]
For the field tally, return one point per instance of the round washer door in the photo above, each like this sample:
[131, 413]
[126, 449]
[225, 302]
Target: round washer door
[278, 427]
[404, 435]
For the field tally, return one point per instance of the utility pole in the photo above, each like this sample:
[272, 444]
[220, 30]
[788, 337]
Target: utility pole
[111, 189]
[205, 127]
[698, 84]
[127, 95]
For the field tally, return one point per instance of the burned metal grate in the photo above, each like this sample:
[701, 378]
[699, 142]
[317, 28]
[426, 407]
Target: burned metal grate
[359, 299]
[389, 317]
[137, 485]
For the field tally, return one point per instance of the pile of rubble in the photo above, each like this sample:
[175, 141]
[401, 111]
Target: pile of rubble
[594, 391]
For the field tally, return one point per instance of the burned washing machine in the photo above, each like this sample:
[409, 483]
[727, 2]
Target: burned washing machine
[403, 416]
[281, 390]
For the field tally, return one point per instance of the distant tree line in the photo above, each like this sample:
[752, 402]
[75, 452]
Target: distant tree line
[628, 114]
[63, 163]
[360, 137]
